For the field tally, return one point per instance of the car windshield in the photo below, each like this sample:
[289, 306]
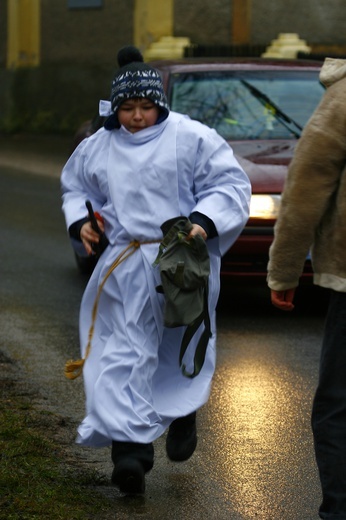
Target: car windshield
[248, 105]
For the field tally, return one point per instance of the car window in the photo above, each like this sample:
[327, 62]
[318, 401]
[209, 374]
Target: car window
[248, 105]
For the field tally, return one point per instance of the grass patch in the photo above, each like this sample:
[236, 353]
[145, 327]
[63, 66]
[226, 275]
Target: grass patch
[37, 478]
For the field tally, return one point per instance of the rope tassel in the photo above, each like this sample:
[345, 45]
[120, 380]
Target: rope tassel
[73, 369]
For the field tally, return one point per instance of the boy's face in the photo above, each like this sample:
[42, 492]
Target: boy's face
[137, 113]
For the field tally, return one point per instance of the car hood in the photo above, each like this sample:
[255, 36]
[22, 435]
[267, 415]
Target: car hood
[265, 162]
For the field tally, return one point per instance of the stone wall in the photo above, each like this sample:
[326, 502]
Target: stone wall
[51, 98]
[93, 36]
[315, 21]
[203, 21]
[85, 36]
[79, 48]
[3, 33]
[78, 61]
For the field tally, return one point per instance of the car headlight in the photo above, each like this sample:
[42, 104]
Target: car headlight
[265, 206]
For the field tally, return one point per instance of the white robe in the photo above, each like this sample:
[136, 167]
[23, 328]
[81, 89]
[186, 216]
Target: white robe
[133, 383]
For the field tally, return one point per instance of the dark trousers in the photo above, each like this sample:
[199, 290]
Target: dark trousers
[329, 412]
[142, 452]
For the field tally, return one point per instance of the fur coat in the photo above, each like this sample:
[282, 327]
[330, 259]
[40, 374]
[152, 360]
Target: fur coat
[313, 210]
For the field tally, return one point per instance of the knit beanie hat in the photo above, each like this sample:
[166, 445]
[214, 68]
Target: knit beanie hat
[135, 79]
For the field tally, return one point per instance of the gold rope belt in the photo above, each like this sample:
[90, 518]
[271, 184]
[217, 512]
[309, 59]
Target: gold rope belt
[73, 369]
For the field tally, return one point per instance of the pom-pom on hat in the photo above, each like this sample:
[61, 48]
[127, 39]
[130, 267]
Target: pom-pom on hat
[135, 79]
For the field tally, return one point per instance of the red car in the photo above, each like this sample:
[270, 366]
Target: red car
[260, 106]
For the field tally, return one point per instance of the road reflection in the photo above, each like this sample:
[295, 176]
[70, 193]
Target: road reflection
[249, 401]
[261, 401]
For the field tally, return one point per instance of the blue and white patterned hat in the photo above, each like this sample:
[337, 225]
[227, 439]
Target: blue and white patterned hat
[135, 79]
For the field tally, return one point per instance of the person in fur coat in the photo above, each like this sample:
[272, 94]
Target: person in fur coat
[313, 218]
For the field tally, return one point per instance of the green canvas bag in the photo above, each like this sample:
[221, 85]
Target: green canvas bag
[184, 271]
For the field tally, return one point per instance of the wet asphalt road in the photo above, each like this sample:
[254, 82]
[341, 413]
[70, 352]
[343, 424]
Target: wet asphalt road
[254, 459]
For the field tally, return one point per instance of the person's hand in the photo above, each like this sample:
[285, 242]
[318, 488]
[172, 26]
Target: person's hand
[197, 230]
[283, 299]
[89, 236]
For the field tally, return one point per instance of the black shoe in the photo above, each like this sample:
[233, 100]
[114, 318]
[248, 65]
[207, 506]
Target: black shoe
[129, 476]
[181, 439]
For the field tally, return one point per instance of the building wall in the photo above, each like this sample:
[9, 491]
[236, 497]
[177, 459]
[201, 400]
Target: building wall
[319, 22]
[203, 21]
[78, 60]
[79, 48]
[93, 36]
[3, 32]
[85, 36]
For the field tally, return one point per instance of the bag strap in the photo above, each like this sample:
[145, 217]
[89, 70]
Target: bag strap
[203, 340]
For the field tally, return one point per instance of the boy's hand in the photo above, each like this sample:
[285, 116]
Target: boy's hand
[283, 299]
[197, 230]
[89, 236]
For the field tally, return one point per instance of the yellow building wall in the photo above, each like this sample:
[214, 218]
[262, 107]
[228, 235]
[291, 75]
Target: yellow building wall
[241, 21]
[153, 19]
[23, 41]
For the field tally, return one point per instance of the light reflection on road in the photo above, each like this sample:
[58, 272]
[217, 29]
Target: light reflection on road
[258, 400]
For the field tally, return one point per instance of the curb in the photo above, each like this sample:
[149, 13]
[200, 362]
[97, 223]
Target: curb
[36, 154]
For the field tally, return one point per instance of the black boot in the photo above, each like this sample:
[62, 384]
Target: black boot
[181, 439]
[131, 461]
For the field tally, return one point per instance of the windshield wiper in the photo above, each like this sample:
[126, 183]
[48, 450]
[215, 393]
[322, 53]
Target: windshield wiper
[277, 112]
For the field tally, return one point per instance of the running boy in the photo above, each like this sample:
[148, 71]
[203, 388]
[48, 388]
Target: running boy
[146, 166]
